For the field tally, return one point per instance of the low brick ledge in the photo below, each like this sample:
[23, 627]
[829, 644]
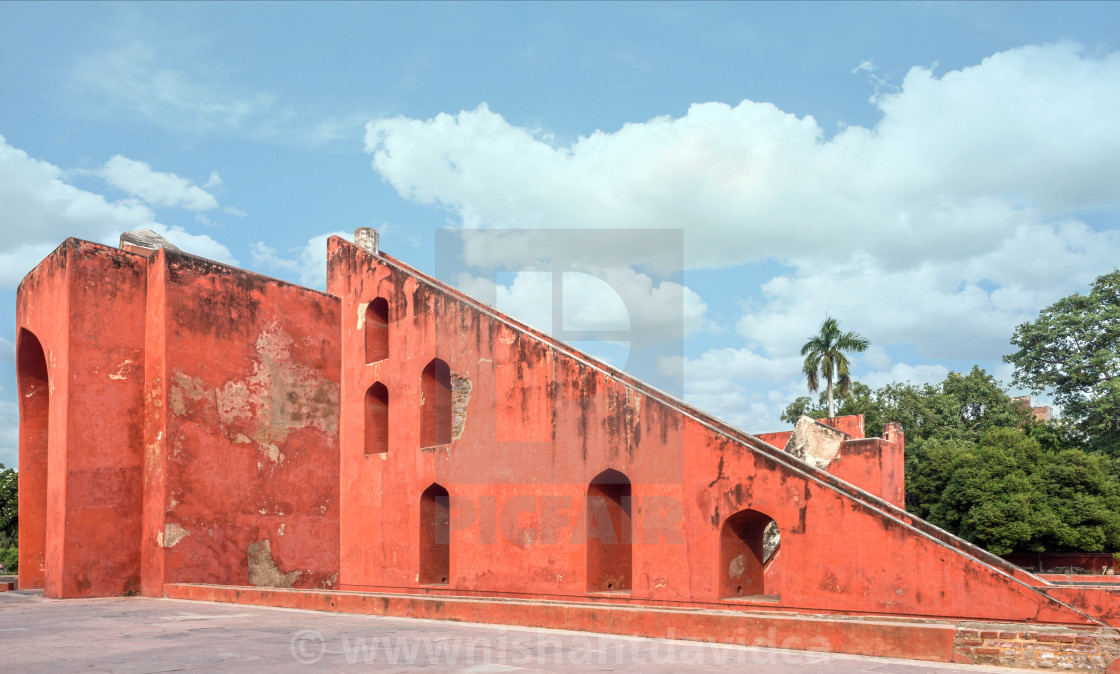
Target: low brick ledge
[1007, 645]
[1037, 647]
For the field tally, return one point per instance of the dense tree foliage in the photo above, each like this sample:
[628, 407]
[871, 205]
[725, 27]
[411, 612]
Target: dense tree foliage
[960, 407]
[980, 466]
[1073, 350]
[1007, 494]
[9, 507]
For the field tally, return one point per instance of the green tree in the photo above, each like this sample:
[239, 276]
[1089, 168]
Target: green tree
[9, 507]
[824, 357]
[1073, 350]
[859, 399]
[1007, 494]
[962, 407]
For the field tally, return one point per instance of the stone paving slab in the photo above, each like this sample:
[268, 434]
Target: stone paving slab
[137, 635]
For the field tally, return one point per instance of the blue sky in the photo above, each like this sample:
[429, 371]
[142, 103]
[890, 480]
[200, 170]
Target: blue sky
[930, 174]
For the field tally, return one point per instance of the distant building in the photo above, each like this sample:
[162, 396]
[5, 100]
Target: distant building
[1041, 413]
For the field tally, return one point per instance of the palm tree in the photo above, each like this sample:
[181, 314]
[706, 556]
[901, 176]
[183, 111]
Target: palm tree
[824, 357]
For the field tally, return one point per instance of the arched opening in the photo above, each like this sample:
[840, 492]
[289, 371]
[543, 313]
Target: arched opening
[435, 405]
[435, 536]
[34, 427]
[749, 546]
[377, 330]
[377, 419]
[609, 554]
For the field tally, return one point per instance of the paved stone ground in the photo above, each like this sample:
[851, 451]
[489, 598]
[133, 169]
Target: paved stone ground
[136, 635]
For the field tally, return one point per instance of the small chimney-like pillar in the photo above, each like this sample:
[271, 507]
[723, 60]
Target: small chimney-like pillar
[366, 239]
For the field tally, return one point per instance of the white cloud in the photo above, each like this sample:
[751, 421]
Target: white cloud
[614, 299]
[306, 264]
[866, 65]
[968, 156]
[39, 210]
[957, 216]
[155, 187]
[751, 390]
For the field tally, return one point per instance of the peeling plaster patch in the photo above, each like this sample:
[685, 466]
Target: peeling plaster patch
[328, 583]
[460, 396]
[185, 390]
[280, 531]
[279, 396]
[263, 571]
[123, 371]
[172, 534]
[273, 452]
[362, 306]
[233, 403]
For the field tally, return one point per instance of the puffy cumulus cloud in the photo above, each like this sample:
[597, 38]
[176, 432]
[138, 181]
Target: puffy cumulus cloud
[751, 390]
[981, 195]
[611, 302]
[155, 187]
[942, 309]
[739, 385]
[965, 157]
[40, 209]
[306, 264]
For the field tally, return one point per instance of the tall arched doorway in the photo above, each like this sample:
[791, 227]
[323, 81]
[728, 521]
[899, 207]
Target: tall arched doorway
[34, 429]
[609, 553]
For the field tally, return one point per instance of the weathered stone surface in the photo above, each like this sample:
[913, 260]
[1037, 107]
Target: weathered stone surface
[145, 238]
[814, 442]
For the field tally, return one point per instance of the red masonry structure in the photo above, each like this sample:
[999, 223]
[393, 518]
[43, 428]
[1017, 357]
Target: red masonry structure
[196, 430]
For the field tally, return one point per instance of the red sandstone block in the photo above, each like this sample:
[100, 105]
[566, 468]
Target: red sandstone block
[971, 642]
[989, 635]
[986, 651]
[1047, 637]
[1085, 640]
[6, 587]
[965, 632]
[1065, 638]
[1009, 635]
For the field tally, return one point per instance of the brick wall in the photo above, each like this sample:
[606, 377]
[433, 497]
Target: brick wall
[1013, 646]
